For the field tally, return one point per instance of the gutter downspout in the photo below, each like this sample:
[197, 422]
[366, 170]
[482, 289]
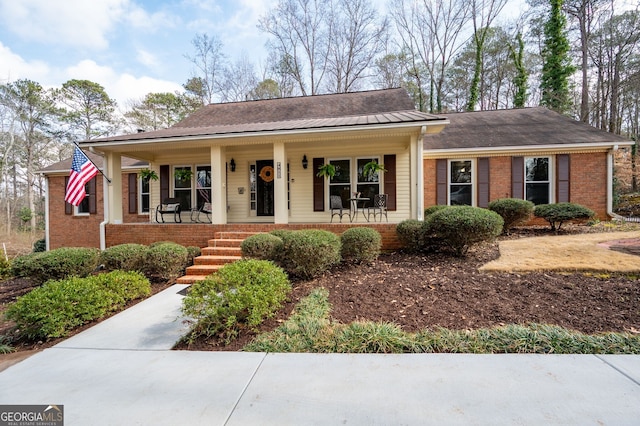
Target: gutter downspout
[46, 212]
[610, 162]
[105, 198]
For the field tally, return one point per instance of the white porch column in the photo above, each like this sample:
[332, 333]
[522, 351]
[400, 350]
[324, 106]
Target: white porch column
[417, 186]
[281, 212]
[113, 202]
[218, 186]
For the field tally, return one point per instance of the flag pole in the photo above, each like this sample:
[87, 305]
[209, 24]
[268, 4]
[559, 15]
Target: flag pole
[101, 172]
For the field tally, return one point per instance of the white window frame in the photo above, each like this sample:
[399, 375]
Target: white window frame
[194, 198]
[76, 209]
[191, 184]
[550, 178]
[140, 195]
[471, 184]
[351, 171]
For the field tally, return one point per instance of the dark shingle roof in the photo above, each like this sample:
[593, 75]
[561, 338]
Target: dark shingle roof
[382, 107]
[65, 165]
[526, 127]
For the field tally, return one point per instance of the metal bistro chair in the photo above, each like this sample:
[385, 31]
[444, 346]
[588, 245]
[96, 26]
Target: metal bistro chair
[169, 206]
[335, 203]
[205, 209]
[379, 207]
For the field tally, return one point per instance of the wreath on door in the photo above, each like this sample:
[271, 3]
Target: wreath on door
[266, 173]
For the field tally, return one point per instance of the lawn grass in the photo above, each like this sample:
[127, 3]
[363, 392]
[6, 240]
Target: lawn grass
[309, 329]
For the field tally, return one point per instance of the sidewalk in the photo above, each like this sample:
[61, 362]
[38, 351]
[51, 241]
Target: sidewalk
[121, 372]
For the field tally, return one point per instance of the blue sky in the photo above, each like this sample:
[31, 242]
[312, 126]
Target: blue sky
[130, 47]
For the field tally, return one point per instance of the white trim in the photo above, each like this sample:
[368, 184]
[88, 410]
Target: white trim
[472, 184]
[442, 153]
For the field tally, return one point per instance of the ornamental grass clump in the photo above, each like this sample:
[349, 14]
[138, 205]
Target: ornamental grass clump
[308, 253]
[56, 264]
[360, 245]
[514, 211]
[557, 214]
[58, 307]
[240, 294]
[460, 227]
[261, 246]
[124, 257]
[166, 260]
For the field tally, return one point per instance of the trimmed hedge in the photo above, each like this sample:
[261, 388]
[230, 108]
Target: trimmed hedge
[58, 307]
[431, 210]
[124, 257]
[166, 260]
[557, 214]
[514, 211]
[360, 245]
[261, 246]
[459, 227]
[308, 253]
[411, 233]
[243, 293]
[56, 264]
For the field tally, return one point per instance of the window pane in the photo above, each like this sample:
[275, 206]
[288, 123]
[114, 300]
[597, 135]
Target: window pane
[374, 177]
[203, 185]
[84, 204]
[460, 195]
[145, 203]
[344, 191]
[461, 172]
[537, 169]
[368, 191]
[538, 193]
[185, 198]
[180, 182]
[343, 172]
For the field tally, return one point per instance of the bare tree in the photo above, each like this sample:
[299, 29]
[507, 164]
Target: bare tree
[301, 38]
[430, 29]
[357, 38]
[483, 13]
[209, 62]
[238, 79]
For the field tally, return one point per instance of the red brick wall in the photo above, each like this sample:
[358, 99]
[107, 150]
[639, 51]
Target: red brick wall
[588, 181]
[81, 231]
[199, 234]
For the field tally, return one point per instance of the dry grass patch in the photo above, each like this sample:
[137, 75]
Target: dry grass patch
[565, 253]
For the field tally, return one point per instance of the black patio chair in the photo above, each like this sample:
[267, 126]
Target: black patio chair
[379, 207]
[205, 210]
[335, 204]
[169, 206]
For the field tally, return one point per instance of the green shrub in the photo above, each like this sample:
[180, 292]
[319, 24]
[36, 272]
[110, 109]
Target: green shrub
[411, 233]
[557, 214]
[281, 233]
[514, 211]
[56, 264]
[5, 268]
[192, 253]
[308, 253]
[40, 246]
[165, 260]
[124, 257]
[243, 293]
[360, 244]
[261, 246]
[431, 210]
[58, 307]
[459, 227]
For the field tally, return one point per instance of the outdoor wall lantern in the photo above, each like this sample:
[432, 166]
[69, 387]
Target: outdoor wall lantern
[232, 164]
[305, 162]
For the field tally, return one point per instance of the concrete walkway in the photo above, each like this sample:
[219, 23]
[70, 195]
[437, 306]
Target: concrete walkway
[122, 372]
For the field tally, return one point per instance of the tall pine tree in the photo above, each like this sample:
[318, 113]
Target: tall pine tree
[557, 67]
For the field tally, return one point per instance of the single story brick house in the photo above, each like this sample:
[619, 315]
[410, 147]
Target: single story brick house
[256, 164]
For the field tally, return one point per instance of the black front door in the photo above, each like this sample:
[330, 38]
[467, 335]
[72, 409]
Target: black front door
[264, 188]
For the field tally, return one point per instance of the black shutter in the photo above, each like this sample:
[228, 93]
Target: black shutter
[133, 193]
[318, 186]
[564, 168]
[390, 181]
[483, 182]
[68, 208]
[517, 177]
[93, 201]
[441, 182]
[164, 182]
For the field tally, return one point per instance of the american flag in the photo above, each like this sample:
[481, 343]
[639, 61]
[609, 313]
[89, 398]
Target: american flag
[82, 171]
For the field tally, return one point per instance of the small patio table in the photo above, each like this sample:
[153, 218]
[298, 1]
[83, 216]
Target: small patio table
[357, 203]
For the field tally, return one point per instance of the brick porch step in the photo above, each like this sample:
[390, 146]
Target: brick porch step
[221, 251]
[214, 260]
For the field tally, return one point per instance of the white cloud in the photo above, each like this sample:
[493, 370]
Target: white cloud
[71, 22]
[121, 87]
[14, 67]
[147, 58]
